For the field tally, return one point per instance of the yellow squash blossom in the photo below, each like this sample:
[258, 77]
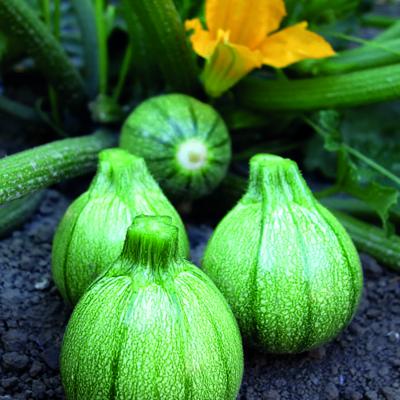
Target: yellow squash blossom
[242, 35]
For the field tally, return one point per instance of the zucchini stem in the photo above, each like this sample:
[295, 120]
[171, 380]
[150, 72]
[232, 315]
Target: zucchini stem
[15, 213]
[20, 21]
[372, 240]
[51, 92]
[355, 207]
[370, 55]
[166, 36]
[338, 91]
[42, 166]
[378, 21]
[393, 32]
[85, 15]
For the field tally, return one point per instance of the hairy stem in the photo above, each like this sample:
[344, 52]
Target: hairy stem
[372, 240]
[15, 213]
[164, 28]
[42, 166]
[347, 90]
[378, 21]
[370, 55]
[19, 20]
[85, 15]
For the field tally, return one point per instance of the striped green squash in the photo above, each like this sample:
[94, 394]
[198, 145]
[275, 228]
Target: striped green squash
[285, 264]
[153, 326]
[185, 143]
[92, 232]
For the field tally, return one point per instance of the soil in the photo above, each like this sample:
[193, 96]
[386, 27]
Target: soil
[363, 363]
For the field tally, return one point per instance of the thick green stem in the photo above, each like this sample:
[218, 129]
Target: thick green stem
[372, 240]
[85, 15]
[19, 20]
[348, 90]
[355, 207]
[15, 213]
[370, 55]
[164, 28]
[42, 166]
[393, 32]
[378, 21]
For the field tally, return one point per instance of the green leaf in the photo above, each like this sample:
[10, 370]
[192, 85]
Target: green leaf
[357, 174]
[360, 183]
[374, 131]
[329, 129]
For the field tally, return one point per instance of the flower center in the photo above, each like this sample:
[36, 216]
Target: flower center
[192, 155]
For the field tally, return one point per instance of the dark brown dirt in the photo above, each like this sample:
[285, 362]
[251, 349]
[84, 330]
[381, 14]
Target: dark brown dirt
[363, 363]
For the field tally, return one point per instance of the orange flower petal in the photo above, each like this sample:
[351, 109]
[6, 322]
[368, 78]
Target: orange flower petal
[202, 41]
[294, 44]
[228, 64]
[247, 21]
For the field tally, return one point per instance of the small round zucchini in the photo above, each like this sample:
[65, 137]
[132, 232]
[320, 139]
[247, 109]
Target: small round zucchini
[185, 143]
[285, 264]
[92, 232]
[153, 326]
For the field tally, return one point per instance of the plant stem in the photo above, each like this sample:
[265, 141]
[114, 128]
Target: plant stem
[347, 90]
[355, 207]
[372, 240]
[123, 73]
[18, 110]
[373, 164]
[15, 213]
[85, 15]
[42, 166]
[52, 93]
[393, 32]
[378, 21]
[371, 54]
[164, 30]
[330, 191]
[145, 69]
[19, 20]
[348, 205]
[57, 19]
[102, 43]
